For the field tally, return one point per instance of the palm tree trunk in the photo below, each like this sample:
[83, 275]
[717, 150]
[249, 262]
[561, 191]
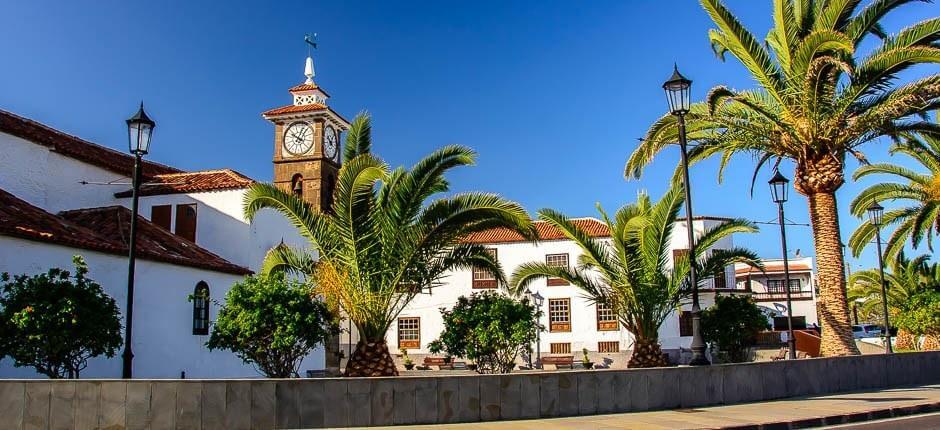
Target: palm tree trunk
[931, 342]
[647, 353]
[904, 340]
[833, 305]
[371, 358]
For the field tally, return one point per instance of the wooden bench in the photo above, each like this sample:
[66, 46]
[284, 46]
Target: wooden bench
[559, 361]
[440, 362]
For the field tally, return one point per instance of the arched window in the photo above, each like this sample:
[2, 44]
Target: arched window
[201, 309]
[297, 185]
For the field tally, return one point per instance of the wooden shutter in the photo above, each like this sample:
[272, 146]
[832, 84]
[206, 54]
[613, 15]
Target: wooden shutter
[685, 323]
[161, 216]
[608, 347]
[556, 260]
[559, 348]
[559, 315]
[186, 222]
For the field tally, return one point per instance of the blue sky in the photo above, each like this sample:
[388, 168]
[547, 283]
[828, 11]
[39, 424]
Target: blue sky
[553, 95]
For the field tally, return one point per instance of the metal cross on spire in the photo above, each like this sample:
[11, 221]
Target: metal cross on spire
[311, 41]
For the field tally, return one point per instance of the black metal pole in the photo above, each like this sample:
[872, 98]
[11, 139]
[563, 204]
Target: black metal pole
[538, 338]
[884, 291]
[698, 343]
[791, 341]
[128, 354]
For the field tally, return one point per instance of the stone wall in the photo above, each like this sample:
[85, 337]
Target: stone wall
[336, 402]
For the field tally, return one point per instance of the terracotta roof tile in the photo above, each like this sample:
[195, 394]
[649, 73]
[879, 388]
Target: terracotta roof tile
[306, 87]
[594, 227]
[772, 268]
[295, 109]
[104, 230]
[154, 243]
[74, 147]
[192, 182]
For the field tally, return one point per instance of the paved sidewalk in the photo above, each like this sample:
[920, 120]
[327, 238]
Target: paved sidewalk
[805, 411]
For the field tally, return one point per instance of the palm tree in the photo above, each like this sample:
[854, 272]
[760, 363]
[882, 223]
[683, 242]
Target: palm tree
[817, 101]
[916, 222]
[906, 278]
[382, 244]
[630, 272]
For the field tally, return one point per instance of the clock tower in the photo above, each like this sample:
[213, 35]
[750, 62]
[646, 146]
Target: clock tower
[307, 143]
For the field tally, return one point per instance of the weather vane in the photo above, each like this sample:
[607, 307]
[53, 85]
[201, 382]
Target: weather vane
[311, 41]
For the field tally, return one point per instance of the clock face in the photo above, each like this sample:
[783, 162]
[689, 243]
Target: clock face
[298, 139]
[329, 142]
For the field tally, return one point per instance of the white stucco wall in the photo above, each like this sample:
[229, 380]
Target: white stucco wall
[164, 345]
[51, 181]
[804, 306]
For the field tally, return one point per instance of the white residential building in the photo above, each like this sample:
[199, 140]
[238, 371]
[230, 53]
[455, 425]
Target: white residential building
[768, 289]
[571, 321]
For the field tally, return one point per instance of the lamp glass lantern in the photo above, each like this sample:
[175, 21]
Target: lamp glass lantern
[537, 299]
[779, 186]
[876, 214]
[678, 92]
[139, 131]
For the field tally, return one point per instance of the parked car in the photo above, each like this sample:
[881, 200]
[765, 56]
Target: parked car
[866, 330]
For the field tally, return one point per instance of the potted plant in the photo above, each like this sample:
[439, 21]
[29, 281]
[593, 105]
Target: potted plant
[585, 361]
[409, 364]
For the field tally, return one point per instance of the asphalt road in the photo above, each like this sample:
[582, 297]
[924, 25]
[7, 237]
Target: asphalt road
[915, 422]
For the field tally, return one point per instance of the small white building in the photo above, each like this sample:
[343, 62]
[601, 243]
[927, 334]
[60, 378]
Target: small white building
[571, 321]
[768, 290]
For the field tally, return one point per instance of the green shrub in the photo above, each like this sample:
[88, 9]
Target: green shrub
[732, 324]
[272, 323]
[488, 328]
[54, 322]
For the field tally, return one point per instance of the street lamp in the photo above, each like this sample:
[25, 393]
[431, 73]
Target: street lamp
[876, 217]
[139, 130]
[537, 300]
[678, 92]
[779, 186]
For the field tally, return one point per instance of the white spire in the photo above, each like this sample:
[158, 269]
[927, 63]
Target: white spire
[308, 70]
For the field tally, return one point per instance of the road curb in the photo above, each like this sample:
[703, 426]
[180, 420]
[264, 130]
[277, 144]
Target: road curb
[855, 417]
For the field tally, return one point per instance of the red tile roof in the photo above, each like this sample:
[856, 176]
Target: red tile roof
[154, 243]
[306, 87]
[295, 109]
[594, 228]
[74, 147]
[105, 230]
[772, 268]
[192, 182]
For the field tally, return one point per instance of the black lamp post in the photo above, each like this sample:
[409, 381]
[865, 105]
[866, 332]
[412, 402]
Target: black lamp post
[876, 217]
[778, 189]
[139, 130]
[537, 300]
[678, 90]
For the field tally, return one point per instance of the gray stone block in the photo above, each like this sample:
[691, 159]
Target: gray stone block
[871, 373]
[334, 403]
[448, 400]
[383, 402]
[359, 402]
[213, 405]
[111, 412]
[663, 388]
[138, 405]
[510, 397]
[568, 393]
[163, 405]
[529, 386]
[263, 404]
[605, 391]
[631, 391]
[847, 378]
[587, 393]
[12, 401]
[404, 390]
[188, 405]
[36, 411]
[468, 403]
[61, 406]
[548, 395]
[425, 400]
[699, 386]
[237, 405]
[287, 404]
[741, 383]
[773, 379]
[312, 404]
[489, 398]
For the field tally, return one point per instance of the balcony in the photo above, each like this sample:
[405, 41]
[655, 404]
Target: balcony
[773, 296]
